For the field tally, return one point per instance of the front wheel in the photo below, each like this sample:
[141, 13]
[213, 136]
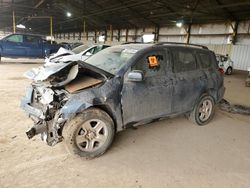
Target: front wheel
[89, 134]
[203, 111]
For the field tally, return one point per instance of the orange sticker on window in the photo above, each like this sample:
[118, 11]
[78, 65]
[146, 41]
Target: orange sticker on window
[153, 62]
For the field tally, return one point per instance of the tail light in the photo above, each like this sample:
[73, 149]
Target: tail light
[221, 71]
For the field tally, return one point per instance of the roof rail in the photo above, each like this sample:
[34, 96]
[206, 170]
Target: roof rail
[132, 43]
[184, 44]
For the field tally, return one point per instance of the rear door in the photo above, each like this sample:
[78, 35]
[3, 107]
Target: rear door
[33, 44]
[213, 81]
[152, 97]
[189, 80]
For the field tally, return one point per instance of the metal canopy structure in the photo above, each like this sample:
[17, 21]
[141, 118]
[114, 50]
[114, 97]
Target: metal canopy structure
[120, 14]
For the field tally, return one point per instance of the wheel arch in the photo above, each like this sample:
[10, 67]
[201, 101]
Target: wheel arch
[108, 110]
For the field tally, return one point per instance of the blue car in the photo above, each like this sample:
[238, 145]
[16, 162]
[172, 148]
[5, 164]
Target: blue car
[26, 45]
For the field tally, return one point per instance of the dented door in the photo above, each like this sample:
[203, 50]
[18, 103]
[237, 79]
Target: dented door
[150, 98]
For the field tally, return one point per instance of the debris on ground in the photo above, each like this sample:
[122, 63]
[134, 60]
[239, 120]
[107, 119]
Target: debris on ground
[234, 108]
[13, 137]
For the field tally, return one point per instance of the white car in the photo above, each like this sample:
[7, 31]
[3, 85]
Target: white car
[80, 53]
[225, 63]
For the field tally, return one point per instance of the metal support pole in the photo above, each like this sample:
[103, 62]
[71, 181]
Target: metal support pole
[51, 29]
[157, 29]
[126, 35]
[235, 32]
[188, 33]
[95, 36]
[84, 30]
[14, 22]
[119, 35]
[111, 33]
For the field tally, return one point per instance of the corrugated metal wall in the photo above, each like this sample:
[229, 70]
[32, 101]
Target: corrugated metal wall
[241, 56]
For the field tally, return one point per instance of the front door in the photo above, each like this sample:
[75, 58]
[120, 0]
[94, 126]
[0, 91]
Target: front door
[14, 46]
[150, 98]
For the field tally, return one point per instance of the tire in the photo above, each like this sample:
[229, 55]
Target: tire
[229, 71]
[89, 134]
[203, 111]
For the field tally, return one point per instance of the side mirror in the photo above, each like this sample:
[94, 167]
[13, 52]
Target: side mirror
[135, 76]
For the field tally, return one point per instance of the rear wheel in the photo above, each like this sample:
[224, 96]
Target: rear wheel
[89, 134]
[203, 111]
[229, 71]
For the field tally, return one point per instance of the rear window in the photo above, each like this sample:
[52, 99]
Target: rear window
[205, 60]
[184, 60]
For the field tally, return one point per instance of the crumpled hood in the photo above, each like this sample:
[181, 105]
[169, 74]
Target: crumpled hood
[62, 52]
[69, 72]
[62, 73]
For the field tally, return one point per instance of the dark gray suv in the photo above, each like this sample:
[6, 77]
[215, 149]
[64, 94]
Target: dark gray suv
[84, 104]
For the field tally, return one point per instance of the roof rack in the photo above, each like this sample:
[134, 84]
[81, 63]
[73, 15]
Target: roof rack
[184, 44]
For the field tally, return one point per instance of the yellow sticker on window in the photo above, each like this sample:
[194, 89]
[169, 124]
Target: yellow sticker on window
[153, 62]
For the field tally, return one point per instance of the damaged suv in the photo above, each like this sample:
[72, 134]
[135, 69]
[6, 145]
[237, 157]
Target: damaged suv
[84, 104]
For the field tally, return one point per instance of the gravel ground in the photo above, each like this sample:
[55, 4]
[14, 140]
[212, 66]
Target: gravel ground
[169, 153]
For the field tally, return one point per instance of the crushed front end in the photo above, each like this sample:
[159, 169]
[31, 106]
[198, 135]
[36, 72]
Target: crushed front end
[43, 105]
[48, 100]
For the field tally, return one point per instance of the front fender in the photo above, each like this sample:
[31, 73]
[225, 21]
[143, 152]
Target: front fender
[70, 109]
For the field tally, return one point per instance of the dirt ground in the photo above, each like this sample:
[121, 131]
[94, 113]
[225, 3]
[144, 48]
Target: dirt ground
[170, 153]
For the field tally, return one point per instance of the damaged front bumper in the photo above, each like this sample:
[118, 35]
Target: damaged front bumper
[49, 129]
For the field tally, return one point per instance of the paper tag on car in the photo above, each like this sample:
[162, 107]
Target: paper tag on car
[153, 62]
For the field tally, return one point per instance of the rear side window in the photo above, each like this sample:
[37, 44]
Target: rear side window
[32, 39]
[184, 60]
[205, 59]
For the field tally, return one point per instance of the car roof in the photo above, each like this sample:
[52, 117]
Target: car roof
[140, 46]
[134, 46]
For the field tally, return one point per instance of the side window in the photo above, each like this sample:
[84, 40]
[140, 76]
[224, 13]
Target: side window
[15, 38]
[97, 49]
[184, 60]
[32, 39]
[205, 60]
[152, 64]
[92, 50]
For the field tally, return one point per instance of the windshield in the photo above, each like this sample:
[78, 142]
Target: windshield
[112, 59]
[80, 49]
